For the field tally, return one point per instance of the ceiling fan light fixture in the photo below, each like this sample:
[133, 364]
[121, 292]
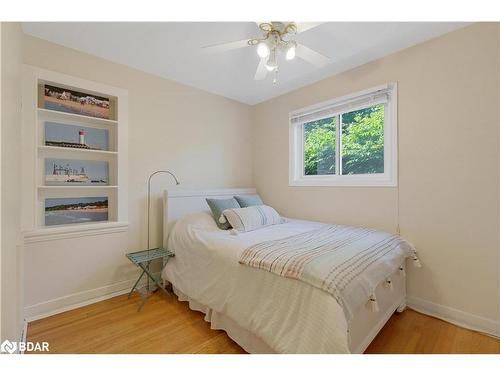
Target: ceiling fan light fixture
[291, 51]
[271, 66]
[277, 38]
[272, 63]
[263, 50]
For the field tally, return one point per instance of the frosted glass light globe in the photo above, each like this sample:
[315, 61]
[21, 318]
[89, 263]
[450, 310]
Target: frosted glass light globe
[263, 50]
[270, 66]
[290, 53]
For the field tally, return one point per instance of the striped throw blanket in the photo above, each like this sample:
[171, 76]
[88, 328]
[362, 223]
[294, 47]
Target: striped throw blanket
[346, 262]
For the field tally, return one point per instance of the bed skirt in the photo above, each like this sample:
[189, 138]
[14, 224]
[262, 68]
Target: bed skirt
[244, 338]
[364, 326]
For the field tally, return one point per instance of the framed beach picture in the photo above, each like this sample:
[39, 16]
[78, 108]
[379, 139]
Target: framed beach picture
[76, 172]
[62, 135]
[60, 211]
[71, 101]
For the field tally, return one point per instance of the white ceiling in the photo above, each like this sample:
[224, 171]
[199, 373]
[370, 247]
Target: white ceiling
[173, 50]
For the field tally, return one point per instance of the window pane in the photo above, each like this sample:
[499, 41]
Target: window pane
[363, 141]
[319, 147]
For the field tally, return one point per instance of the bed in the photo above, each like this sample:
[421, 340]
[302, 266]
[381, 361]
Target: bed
[259, 310]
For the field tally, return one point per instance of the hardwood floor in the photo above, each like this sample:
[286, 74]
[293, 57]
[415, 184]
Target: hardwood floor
[412, 332]
[166, 325]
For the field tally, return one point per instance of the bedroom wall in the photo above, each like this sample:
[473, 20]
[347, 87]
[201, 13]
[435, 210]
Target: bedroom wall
[205, 139]
[11, 252]
[448, 92]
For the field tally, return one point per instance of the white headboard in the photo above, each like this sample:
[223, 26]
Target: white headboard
[178, 202]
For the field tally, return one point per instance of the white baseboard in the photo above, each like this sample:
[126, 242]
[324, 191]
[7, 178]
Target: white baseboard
[454, 316]
[73, 301]
[24, 334]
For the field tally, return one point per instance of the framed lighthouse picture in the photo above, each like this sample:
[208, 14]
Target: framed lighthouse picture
[66, 172]
[71, 136]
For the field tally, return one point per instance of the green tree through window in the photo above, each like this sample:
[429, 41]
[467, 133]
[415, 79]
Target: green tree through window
[362, 143]
[320, 147]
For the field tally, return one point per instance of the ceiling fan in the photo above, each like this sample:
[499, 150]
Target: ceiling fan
[276, 38]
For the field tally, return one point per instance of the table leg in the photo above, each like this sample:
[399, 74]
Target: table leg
[153, 279]
[137, 282]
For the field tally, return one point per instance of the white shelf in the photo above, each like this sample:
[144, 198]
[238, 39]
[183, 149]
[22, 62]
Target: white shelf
[77, 187]
[49, 114]
[75, 150]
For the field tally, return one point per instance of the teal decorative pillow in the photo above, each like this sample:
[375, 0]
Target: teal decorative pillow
[219, 205]
[249, 200]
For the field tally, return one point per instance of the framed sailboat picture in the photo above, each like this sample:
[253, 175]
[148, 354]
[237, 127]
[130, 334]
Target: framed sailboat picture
[76, 172]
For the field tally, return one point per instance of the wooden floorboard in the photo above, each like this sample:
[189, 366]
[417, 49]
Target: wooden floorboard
[166, 325]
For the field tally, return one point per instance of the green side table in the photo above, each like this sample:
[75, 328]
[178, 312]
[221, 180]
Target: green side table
[142, 259]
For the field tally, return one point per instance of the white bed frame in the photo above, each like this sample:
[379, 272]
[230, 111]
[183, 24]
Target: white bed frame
[365, 324]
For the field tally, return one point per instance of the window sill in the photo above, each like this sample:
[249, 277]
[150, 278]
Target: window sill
[73, 231]
[346, 181]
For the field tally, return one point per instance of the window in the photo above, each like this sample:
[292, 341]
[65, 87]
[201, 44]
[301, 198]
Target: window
[350, 141]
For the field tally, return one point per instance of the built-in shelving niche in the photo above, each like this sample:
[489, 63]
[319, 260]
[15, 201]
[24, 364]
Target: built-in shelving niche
[78, 121]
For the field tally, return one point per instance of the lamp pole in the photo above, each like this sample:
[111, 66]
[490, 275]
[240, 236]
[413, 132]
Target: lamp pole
[149, 203]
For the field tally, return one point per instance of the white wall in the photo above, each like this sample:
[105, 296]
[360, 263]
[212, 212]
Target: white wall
[11, 253]
[448, 92]
[206, 140]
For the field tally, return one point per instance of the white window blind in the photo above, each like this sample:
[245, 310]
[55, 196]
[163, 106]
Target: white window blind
[380, 96]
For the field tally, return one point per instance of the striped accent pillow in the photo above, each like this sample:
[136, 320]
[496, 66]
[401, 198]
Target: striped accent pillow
[251, 218]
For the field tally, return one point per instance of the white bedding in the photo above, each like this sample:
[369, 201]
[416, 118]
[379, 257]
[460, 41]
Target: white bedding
[288, 315]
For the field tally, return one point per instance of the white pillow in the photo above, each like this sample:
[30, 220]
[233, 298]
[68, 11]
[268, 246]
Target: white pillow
[200, 220]
[251, 218]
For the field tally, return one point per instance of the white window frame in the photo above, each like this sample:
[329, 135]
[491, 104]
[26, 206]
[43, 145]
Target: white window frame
[296, 143]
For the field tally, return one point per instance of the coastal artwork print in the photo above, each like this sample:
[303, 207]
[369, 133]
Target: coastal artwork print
[70, 101]
[59, 211]
[62, 135]
[76, 172]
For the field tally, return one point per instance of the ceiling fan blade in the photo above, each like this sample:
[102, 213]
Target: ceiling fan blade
[304, 26]
[226, 46]
[261, 71]
[311, 56]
